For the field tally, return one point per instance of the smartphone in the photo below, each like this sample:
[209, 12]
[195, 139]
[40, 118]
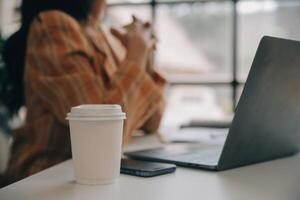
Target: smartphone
[145, 169]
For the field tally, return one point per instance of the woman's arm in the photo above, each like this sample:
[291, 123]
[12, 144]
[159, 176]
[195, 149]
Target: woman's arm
[139, 34]
[61, 66]
[153, 123]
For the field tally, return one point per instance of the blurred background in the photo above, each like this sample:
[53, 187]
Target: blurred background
[205, 50]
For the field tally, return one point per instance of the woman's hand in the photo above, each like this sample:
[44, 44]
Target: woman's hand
[138, 40]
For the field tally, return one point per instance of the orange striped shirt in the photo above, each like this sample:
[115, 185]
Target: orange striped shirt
[69, 64]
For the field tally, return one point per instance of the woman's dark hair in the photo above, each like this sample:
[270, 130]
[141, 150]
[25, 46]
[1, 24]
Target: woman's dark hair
[14, 50]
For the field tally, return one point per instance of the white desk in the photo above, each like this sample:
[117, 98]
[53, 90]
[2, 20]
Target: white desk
[273, 180]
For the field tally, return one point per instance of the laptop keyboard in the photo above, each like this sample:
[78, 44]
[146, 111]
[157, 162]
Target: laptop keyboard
[191, 155]
[210, 156]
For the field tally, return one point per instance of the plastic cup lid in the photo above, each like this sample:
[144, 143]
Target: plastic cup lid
[96, 111]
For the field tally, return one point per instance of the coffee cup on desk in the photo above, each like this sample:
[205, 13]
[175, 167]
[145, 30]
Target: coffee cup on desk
[96, 139]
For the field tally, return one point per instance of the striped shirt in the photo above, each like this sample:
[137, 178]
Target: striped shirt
[68, 64]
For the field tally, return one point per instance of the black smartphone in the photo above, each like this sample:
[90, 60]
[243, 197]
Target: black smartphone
[145, 169]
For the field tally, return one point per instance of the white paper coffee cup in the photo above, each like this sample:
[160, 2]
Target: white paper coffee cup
[96, 139]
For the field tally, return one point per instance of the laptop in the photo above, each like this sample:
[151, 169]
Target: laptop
[266, 124]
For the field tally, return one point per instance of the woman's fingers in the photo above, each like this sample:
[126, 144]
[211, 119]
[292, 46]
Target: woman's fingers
[137, 30]
[154, 37]
[134, 18]
[152, 44]
[132, 24]
[119, 35]
[147, 25]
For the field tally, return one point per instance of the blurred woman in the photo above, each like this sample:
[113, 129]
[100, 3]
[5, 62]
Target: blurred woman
[63, 57]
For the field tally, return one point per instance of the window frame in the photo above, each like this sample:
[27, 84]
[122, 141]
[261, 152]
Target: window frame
[233, 82]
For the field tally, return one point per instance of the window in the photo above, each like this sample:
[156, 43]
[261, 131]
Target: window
[8, 16]
[275, 18]
[201, 33]
[206, 46]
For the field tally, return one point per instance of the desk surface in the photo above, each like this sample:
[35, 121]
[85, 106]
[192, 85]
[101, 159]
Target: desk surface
[279, 179]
